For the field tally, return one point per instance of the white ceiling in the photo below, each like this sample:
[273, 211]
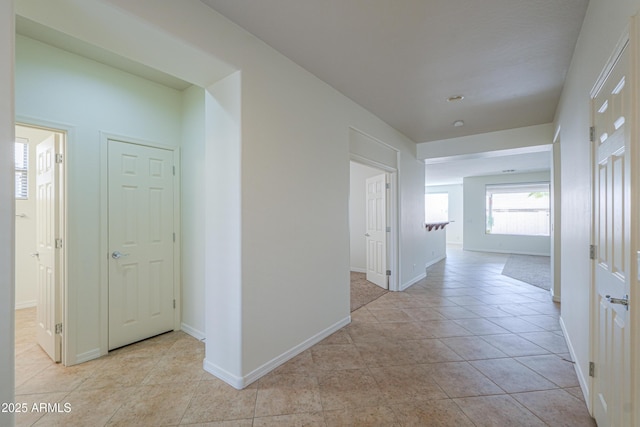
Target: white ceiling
[402, 59]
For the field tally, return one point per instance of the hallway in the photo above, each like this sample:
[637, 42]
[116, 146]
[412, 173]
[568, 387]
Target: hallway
[464, 347]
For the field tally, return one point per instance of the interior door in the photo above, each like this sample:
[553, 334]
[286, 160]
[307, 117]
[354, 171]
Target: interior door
[48, 248]
[613, 267]
[141, 239]
[376, 230]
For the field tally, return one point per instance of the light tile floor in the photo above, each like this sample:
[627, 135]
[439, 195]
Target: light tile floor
[464, 347]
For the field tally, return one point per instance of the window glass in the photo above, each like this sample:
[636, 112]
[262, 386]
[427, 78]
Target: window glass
[520, 209]
[436, 207]
[22, 168]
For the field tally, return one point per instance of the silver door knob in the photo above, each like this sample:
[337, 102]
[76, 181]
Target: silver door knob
[118, 255]
[624, 301]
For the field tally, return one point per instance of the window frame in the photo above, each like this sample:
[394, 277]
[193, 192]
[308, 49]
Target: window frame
[513, 188]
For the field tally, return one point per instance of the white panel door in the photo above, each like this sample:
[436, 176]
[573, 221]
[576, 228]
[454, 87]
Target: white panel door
[613, 268]
[141, 269]
[376, 230]
[47, 256]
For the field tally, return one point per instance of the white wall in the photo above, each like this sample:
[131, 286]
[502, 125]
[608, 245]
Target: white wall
[357, 214]
[284, 186]
[510, 139]
[90, 98]
[603, 26]
[26, 270]
[455, 228]
[193, 213]
[7, 210]
[475, 236]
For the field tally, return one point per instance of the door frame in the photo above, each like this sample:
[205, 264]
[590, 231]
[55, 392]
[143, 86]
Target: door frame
[392, 217]
[631, 40]
[68, 343]
[104, 232]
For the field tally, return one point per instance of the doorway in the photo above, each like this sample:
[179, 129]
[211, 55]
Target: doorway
[372, 225]
[40, 232]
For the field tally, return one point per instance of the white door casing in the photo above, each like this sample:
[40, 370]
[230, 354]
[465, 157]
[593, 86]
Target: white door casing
[376, 230]
[141, 242]
[613, 264]
[48, 247]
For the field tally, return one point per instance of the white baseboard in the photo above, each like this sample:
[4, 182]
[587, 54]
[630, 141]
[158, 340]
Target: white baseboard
[26, 304]
[419, 277]
[241, 382]
[233, 380]
[412, 281]
[582, 378]
[87, 355]
[502, 251]
[358, 270]
[435, 261]
[197, 334]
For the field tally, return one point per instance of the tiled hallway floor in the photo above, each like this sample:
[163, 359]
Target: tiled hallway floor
[464, 347]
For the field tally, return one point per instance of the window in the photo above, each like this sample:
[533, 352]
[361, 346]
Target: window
[436, 207]
[22, 168]
[520, 209]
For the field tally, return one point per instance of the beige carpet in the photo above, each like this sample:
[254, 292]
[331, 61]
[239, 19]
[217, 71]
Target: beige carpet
[363, 291]
[531, 269]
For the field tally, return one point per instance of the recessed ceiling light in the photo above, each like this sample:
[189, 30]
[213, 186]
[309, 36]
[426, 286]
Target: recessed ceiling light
[455, 98]
[458, 123]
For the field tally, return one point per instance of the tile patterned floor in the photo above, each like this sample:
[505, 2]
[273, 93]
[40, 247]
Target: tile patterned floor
[463, 347]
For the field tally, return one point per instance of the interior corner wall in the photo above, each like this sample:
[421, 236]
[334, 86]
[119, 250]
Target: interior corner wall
[357, 214]
[605, 23]
[97, 98]
[222, 191]
[475, 236]
[287, 183]
[193, 213]
[455, 228]
[7, 211]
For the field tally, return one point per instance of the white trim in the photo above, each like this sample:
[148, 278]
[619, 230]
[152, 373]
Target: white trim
[435, 261]
[358, 270]
[234, 381]
[366, 161]
[413, 281]
[26, 304]
[241, 382]
[556, 135]
[582, 379]
[105, 137]
[384, 144]
[88, 355]
[499, 251]
[196, 333]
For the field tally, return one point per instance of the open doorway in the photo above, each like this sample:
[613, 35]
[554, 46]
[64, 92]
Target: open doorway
[40, 236]
[371, 218]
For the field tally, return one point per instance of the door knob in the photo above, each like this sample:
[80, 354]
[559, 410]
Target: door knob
[118, 255]
[624, 301]
[367, 235]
